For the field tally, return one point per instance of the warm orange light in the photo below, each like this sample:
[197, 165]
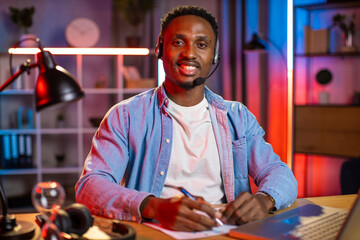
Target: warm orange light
[83, 51]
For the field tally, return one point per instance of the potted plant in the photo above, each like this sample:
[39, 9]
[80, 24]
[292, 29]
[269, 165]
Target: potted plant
[348, 29]
[23, 18]
[133, 12]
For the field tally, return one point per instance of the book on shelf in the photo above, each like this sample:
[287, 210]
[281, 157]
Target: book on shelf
[5, 151]
[16, 151]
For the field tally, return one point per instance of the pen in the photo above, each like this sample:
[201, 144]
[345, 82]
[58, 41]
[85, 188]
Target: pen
[186, 193]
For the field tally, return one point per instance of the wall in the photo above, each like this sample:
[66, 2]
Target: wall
[51, 17]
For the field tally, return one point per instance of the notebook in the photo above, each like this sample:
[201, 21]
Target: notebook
[305, 222]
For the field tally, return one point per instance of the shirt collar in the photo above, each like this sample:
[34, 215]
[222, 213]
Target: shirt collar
[213, 99]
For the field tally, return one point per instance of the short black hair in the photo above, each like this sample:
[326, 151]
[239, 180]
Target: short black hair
[188, 10]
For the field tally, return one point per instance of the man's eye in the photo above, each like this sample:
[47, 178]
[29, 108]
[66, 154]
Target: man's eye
[178, 42]
[202, 45]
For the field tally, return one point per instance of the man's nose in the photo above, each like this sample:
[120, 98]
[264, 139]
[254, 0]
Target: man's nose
[189, 52]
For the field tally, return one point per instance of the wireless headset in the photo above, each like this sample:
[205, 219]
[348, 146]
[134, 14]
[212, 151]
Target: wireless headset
[159, 50]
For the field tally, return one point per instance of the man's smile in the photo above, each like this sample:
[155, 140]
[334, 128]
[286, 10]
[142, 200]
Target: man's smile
[188, 68]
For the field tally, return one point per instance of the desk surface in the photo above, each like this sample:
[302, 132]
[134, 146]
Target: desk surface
[144, 232]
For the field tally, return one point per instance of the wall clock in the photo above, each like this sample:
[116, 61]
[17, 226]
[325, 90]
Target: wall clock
[82, 32]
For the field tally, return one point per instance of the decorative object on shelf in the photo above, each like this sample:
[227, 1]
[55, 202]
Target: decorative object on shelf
[95, 121]
[324, 77]
[54, 85]
[82, 32]
[133, 12]
[60, 121]
[133, 78]
[316, 41]
[47, 198]
[356, 98]
[101, 82]
[24, 118]
[23, 18]
[60, 159]
[348, 29]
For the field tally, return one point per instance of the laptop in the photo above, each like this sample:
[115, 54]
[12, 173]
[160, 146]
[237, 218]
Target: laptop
[305, 222]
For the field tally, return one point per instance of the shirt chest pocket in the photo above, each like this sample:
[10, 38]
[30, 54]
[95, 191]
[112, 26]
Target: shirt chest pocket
[240, 158]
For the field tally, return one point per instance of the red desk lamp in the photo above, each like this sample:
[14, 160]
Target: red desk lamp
[54, 86]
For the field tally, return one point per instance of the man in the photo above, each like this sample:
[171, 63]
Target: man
[182, 134]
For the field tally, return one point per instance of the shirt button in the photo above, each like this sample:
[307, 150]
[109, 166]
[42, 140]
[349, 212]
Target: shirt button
[162, 173]
[167, 140]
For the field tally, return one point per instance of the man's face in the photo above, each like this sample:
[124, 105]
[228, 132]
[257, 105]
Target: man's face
[188, 50]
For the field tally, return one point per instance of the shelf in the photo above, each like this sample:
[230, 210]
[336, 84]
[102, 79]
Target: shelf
[17, 131]
[60, 170]
[73, 140]
[114, 90]
[59, 131]
[327, 105]
[19, 171]
[331, 130]
[323, 6]
[339, 54]
[89, 130]
[17, 92]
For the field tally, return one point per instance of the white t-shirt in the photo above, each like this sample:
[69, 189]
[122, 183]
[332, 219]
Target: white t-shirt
[194, 162]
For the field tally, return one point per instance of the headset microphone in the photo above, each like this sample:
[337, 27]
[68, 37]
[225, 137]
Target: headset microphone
[200, 80]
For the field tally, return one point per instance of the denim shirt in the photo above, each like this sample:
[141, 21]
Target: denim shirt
[131, 150]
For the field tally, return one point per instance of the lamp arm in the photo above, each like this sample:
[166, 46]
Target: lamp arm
[24, 67]
[3, 201]
[277, 48]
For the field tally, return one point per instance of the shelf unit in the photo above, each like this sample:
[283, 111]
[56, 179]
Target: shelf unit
[69, 139]
[342, 65]
[317, 124]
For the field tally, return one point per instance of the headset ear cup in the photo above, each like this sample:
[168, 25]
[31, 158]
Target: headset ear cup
[81, 219]
[62, 221]
[159, 50]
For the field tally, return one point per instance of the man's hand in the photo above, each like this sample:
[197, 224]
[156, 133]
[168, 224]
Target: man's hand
[246, 208]
[178, 213]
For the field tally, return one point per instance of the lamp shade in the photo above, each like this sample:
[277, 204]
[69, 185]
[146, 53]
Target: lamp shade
[254, 44]
[54, 85]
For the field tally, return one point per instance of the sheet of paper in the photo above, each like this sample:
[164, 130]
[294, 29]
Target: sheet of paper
[224, 229]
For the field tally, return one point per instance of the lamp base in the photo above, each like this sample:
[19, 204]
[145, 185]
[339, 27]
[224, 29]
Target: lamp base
[23, 230]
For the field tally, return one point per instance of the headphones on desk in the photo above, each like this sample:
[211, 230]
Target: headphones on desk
[159, 49]
[77, 219]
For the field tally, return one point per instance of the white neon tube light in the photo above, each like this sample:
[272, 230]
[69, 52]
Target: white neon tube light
[83, 51]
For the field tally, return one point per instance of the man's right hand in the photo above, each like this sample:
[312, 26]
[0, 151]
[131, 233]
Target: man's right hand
[179, 213]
